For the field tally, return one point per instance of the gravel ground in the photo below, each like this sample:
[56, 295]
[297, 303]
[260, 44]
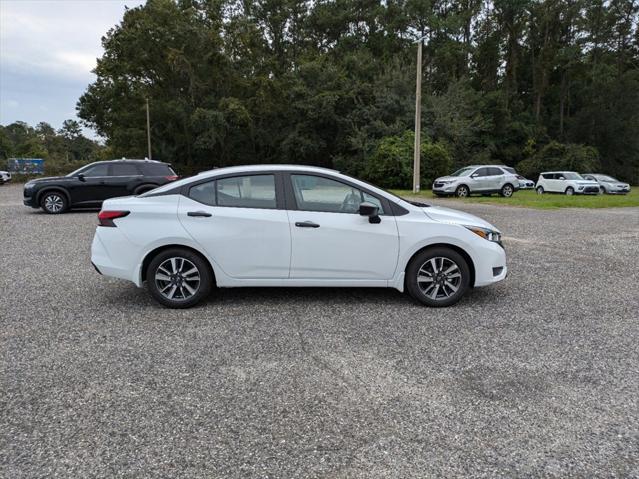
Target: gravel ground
[536, 376]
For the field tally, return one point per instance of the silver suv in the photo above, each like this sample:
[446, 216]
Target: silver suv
[478, 179]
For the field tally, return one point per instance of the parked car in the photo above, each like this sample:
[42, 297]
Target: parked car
[271, 225]
[608, 184]
[5, 177]
[90, 185]
[478, 179]
[567, 182]
[524, 184]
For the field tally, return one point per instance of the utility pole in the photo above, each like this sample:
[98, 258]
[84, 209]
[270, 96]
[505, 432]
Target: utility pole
[418, 118]
[148, 128]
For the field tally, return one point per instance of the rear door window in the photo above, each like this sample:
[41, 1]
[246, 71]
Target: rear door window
[495, 171]
[254, 191]
[157, 169]
[124, 169]
[204, 193]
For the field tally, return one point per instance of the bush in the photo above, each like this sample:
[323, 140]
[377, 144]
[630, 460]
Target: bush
[560, 156]
[391, 164]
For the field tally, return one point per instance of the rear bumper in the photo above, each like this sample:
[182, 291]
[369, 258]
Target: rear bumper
[119, 264]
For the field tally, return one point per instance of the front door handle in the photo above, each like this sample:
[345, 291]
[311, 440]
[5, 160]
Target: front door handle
[306, 224]
[202, 214]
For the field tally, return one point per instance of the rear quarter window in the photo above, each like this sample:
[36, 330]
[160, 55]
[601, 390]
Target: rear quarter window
[157, 169]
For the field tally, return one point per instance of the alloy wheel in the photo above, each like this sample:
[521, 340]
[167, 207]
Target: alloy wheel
[540, 191]
[570, 191]
[439, 278]
[177, 279]
[462, 192]
[507, 191]
[54, 203]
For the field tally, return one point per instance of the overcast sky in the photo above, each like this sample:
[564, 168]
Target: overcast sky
[47, 51]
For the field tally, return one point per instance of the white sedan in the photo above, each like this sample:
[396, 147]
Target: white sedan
[286, 225]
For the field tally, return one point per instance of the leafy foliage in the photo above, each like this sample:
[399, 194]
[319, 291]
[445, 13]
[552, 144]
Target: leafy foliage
[332, 83]
[64, 150]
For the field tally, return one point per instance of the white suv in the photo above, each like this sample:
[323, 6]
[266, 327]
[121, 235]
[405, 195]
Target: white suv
[5, 177]
[567, 182]
[478, 179]
[291, 225]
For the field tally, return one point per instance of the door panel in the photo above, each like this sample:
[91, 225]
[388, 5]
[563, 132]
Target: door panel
[330, 239]
[481, 182]
[343, 246]
[245, 242]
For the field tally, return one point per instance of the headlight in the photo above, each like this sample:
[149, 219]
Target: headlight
[444, 182]
[485, 233]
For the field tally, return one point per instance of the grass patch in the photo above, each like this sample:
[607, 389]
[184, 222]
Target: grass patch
[530, 199]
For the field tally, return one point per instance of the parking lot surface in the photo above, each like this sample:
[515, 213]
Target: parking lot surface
[536, 376]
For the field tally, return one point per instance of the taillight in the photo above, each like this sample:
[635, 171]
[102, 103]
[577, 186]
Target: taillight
[171, 177]
[105, 218]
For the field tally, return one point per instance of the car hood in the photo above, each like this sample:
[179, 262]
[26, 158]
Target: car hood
[48, 179]
[450, 216]
[448, 178]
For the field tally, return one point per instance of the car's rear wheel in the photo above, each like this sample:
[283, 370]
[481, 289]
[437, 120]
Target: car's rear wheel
[507, 191]
[437, 277]
[570, 191]
[179, 278]
[540, 190]
[462, 191]
[54, 203]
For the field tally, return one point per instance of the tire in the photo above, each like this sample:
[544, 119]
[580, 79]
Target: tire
[462, 191]
[424, 267]
[570, 191]
[602, 190]
[54, 203]
[179, 290]
[540, 190]
[507, 190]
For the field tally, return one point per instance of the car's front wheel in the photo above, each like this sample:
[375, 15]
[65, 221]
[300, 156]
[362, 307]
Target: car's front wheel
[179, 278]
[54, 203]
[507, 191]
[602, 190]
[437, 277]
[462, 191]
[570, 191]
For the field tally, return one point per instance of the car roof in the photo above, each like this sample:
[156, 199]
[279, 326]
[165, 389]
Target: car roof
[271, 167]
[558, 171]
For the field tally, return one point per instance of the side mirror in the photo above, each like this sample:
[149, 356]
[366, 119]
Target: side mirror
[370, 210]
[562, 178]
[81, 177]
[474, 175]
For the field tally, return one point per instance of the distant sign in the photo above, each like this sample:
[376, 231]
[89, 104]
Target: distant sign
[27, 166]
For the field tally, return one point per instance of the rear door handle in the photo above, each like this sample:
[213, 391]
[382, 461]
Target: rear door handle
[202, 214]
[306, 224]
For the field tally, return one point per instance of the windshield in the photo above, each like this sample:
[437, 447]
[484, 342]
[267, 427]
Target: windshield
[606, 178]
[569, 175]
[73, 173]
[462, 172]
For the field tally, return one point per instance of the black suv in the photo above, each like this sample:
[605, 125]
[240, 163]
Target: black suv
[90, 185]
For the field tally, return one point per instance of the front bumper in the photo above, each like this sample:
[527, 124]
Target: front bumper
[30, 201]
[444, 189]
